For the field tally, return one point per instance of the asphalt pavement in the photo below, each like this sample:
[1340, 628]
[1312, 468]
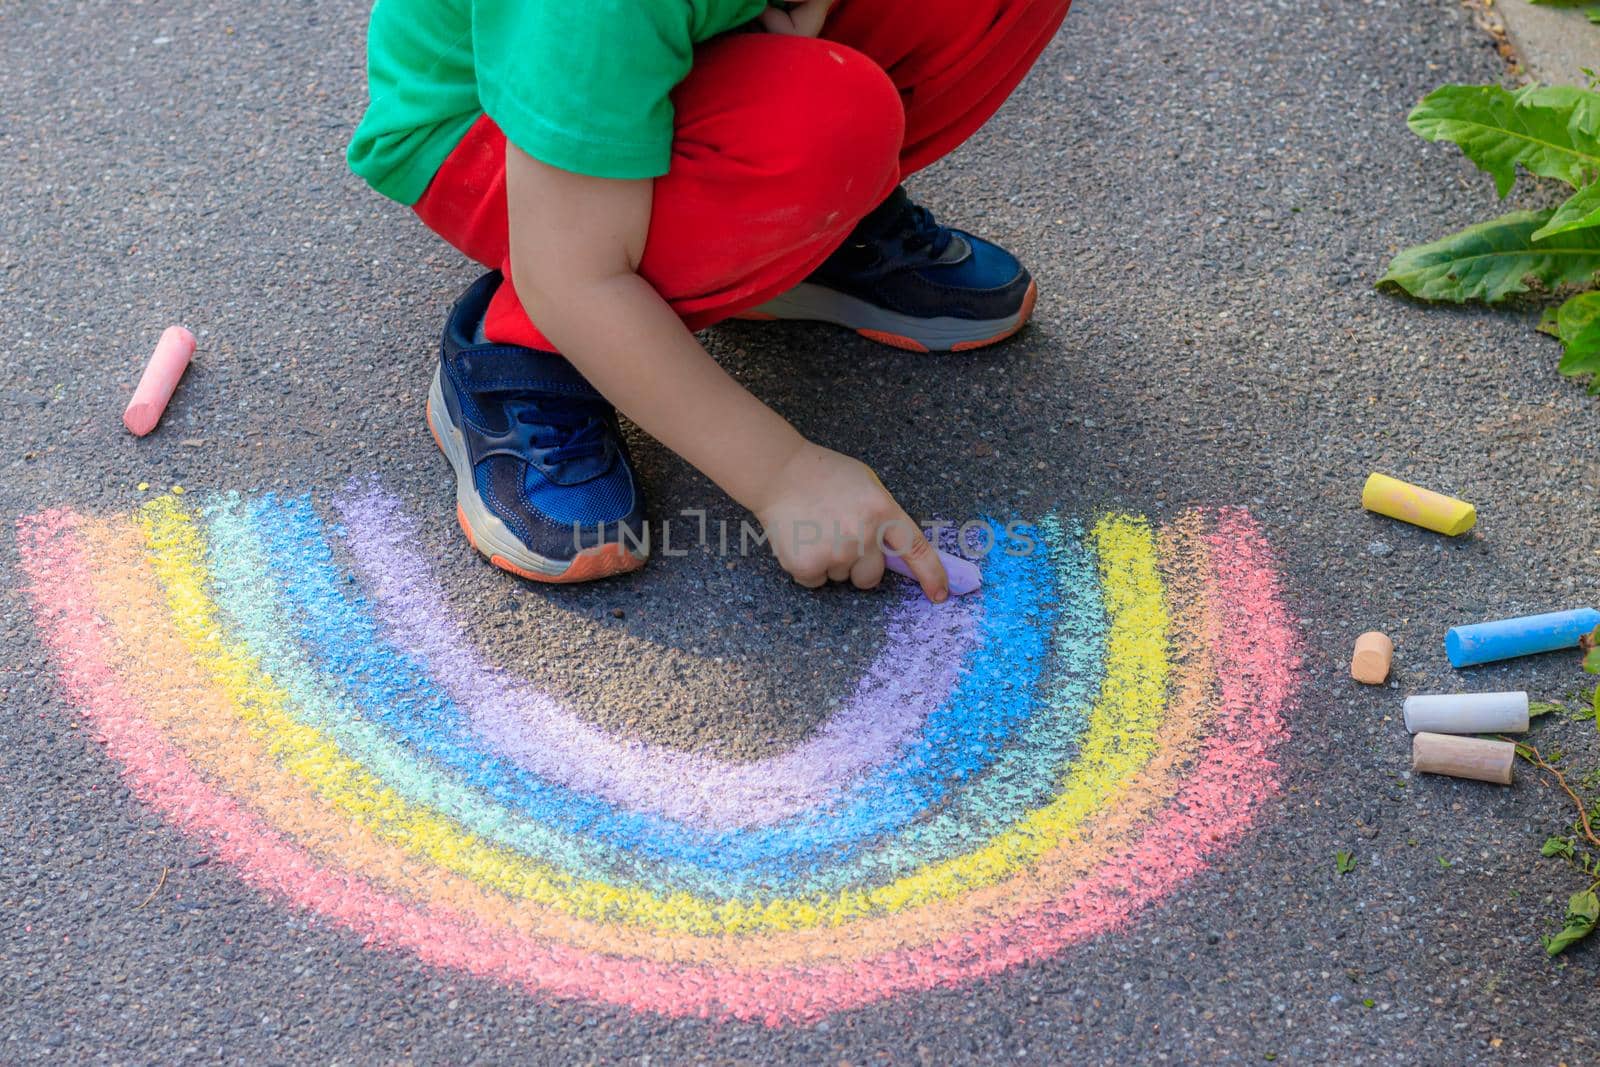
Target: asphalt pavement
[1205, 191]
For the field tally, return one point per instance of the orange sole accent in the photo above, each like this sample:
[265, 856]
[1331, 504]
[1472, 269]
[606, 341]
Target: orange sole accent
[756, 316]
[893, 340]
[1029, 298]
[601, 561]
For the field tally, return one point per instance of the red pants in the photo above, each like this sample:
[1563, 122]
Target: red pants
[782, 144]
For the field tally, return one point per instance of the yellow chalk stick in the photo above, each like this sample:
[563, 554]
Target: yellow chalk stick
[1418, 506]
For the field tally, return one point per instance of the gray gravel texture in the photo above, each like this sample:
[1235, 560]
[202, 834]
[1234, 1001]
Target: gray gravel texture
[1205, 191]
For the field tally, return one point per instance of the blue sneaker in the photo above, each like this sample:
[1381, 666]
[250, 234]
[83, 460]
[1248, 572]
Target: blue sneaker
[902, 279]
[544, 485]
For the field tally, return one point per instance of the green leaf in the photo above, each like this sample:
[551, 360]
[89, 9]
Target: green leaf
[1591, 658]
[1494, 260]
[1537, 708]
[1557, 846]
[1582, 911]
[1344, 862]
[1577, 323]
[1581, 209]
[1581, 355]
[1549, 133]
[1572, 316]
[1583, 105]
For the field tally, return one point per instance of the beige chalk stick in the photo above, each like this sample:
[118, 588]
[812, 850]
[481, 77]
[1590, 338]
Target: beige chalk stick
[1463, 757]
[1374, 653]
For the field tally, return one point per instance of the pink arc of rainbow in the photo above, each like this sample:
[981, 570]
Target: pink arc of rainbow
[1232, 775]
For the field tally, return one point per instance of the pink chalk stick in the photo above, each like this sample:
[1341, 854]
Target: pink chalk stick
[160, 378]
[963, 574]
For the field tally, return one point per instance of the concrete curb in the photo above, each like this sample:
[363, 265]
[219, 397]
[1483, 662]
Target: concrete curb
[1554, 43]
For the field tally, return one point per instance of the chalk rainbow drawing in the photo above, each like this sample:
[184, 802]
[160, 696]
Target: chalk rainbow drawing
[1013, 773]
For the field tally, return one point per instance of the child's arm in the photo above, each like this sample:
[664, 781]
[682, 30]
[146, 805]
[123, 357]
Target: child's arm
[576, 242]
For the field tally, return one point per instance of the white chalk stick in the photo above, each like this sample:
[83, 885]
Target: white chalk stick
[160, 378]
[1468, 713]
[1463, 757]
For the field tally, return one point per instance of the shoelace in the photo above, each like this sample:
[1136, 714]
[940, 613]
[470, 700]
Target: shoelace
[566, 433]
[917, 229]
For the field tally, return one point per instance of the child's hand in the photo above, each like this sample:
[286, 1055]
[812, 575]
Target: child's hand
[575, 246]
[803, 19]
[829, 518]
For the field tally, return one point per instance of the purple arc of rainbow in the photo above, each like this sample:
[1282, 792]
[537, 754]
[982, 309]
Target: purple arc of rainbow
[1198, 618]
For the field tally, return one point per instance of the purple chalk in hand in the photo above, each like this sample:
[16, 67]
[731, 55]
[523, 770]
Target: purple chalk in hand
[963, 574]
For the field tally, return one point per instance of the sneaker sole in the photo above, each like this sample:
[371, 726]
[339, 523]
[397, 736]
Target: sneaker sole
[492, 538]
[816, 303]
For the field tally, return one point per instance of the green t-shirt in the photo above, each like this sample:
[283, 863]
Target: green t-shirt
[579, 84]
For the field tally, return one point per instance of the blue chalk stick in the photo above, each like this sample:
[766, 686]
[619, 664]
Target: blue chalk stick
[1486, 642]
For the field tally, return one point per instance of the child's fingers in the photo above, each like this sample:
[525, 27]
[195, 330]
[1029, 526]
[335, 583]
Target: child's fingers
[777, 20]
[902, 537]
[803, 19]
[867, 571]
[810, 579]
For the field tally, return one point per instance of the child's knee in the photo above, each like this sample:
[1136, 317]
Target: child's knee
[844, 128]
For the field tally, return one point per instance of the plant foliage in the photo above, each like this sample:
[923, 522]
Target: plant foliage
[1550, 131]
[1580, 847]
[1576, 324]
[1544, 129]
[1582, 911]
[1580, 212]
[1496, 259]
